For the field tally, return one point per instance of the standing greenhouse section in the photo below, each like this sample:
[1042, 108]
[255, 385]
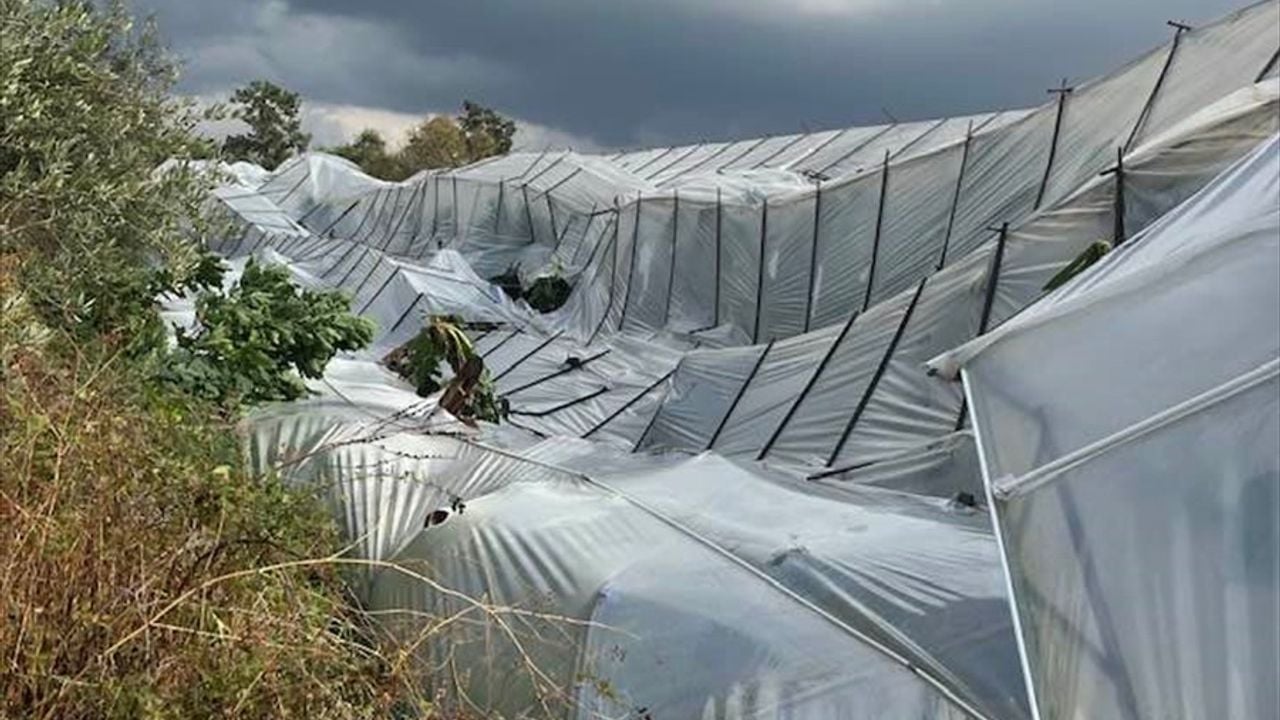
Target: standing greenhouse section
[1140, 528]
[740, 475]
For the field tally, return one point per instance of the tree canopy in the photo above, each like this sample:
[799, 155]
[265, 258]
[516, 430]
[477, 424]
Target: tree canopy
[275, 128]
[439, 141]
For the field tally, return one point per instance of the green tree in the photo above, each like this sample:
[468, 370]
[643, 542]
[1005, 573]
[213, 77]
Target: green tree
[369, 151]
[487, 133]
[435, 143]
[444, 141]
[85, 119]
[275, 130]
[258, 341]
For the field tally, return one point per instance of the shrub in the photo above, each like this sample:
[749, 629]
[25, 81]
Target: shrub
[258, 341]
[548, 292]
[470, 393]
[115, 501]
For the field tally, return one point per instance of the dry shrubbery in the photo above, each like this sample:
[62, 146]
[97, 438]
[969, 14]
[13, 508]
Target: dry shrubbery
[142, 572]
[122, 514]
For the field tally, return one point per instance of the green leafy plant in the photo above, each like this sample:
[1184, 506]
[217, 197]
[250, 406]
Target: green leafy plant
[275, 128]
[548, 292]
[1083, 261]
[470, 393]
[258, 341]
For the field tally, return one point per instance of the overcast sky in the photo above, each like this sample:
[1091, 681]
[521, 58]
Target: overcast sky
[628, 73]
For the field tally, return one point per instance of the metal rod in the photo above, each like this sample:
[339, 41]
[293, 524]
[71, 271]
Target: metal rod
[528, 214]
[955, 197]
[457, 233]
[785, 146]
[813, 254]
[351, 245]
[613, 277]
[703, 161]
[551, 213]
[660, 170]
[719, 217]
[855, 148]
[764, 233]
[533, 164]
[341, 217]
[1275, 56]
[631, 269]
[544, 170]
[390, 276]
[497, 214]
[396, 228]
[1062, 94]
[293, 189]
[875, 240]
[820, 146]
[562, 371]
[526, 356]
[671, 274]
[562, 406]
[405, 315]
[1155, 90]
[650, 161]
[745, 153]
[903, 148]
[879, 373]
[738, 396]
[627, 405]
[586, 230]
[364, 217]
[993, 280]
[435, 208]
[808, 386]
[355, 265]
[1118, 231]
[500, 343]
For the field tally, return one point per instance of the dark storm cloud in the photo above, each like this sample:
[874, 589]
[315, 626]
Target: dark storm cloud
[656, 71]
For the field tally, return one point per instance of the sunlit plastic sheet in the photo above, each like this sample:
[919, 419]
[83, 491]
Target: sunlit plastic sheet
[1179, 476]
[594, 549]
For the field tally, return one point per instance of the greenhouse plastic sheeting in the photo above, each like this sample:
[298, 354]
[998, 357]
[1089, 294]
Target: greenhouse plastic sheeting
[1140, 528]
[732, 417]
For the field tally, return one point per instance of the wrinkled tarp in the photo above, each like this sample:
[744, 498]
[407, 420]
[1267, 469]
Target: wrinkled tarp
[762, 310]
[1140, 527]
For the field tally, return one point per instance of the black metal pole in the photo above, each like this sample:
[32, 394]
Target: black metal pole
[955, 197]
[813, 255]
[631, 269]
[719, 215]
[627, 405]
[764, 233]
[738, 396]
[497, 214]
[671, 274]
[879, 373]
[808, 386]
[1062, 93]
[1178, 29]
[528, 213]
[1118, 232]
[526, 356]
[993, 280]
[875, 240]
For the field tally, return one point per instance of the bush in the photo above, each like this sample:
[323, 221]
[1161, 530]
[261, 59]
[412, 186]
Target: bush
[117, 502]
[258, 341]
[469, 394]
[85, 118]
[547, 293]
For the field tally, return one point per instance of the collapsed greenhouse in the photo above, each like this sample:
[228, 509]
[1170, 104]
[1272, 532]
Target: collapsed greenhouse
[809, 438]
